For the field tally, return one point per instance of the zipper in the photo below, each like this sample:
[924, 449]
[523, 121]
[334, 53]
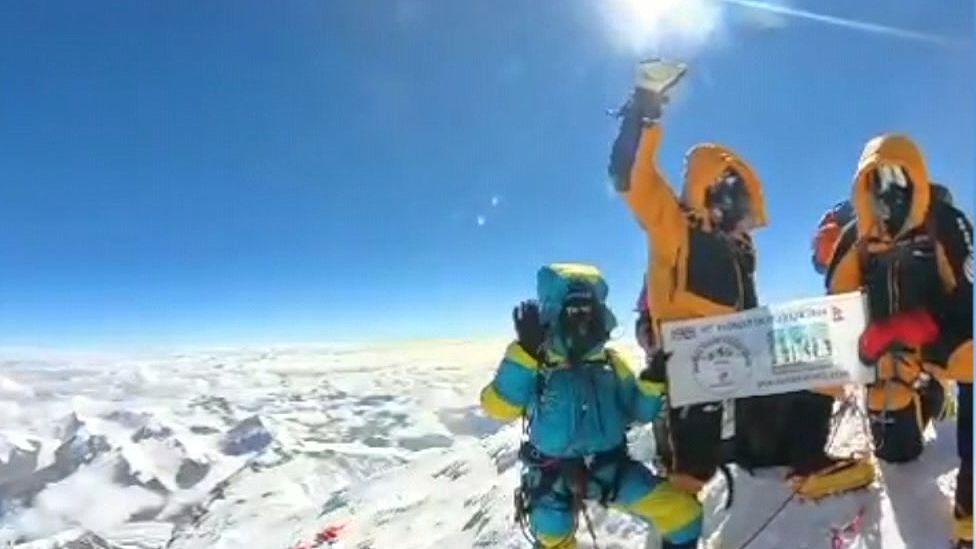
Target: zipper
[892, 288]
[740, 298]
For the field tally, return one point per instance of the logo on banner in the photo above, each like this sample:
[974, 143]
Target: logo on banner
[837, 314]
[802, 347]
[721, 365]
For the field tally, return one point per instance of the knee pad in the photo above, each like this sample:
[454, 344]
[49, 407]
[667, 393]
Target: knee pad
[696, 444]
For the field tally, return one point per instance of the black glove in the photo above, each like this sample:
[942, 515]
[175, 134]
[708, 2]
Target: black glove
[528, 327]
[641, 109]
[644, 332]
[647, 105]
[657, 368]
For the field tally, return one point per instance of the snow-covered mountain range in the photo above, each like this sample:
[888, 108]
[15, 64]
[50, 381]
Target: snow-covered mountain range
[347, 446]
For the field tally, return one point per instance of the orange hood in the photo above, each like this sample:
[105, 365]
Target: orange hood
[704, 164]
[901, 151]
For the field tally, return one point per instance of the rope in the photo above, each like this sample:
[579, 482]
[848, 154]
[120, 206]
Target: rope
[578, 506]
[526, 529]
[769, 520]
[589, 524]
[729, 483]
[522, 512]
[866, 427]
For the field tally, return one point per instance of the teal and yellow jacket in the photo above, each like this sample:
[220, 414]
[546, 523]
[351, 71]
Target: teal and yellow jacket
[572, 410]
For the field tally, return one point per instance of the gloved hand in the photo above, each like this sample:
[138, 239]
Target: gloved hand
[528, 328]
[657, 368]
[869, 350]
[642, 109]
[913, 329]
[644, 332]
[645, 105]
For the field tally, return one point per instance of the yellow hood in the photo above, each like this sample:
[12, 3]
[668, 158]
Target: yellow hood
[890, 149]
[704, 165]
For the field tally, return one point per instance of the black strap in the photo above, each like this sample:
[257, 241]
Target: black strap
[729, 480]
[551, 469]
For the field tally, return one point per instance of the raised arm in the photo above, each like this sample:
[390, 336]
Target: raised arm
[635, 173]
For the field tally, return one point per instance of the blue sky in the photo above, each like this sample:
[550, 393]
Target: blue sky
[237, 171]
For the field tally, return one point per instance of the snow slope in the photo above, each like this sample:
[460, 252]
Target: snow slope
[382, 444]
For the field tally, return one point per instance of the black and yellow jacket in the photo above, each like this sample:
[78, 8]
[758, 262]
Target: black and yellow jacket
[692, 271]
[926, 266]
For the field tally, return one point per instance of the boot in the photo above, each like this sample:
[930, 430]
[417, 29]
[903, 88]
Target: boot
[962, 531]
[831, 476]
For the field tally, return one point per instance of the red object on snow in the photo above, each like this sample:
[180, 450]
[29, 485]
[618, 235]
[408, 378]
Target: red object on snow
[329, 534]
[849, 532]
[912, 329]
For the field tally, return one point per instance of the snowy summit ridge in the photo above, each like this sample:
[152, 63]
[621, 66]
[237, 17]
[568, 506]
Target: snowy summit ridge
[369, 446]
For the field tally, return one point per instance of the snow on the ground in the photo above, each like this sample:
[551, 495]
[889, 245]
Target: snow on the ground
[382, 444]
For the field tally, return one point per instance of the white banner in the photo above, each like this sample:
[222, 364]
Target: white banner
[769, 350]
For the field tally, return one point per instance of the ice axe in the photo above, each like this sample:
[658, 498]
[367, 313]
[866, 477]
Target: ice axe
[659, 76]
[656, 76]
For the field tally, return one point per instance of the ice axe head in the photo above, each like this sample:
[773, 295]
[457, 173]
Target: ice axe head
[659, 76]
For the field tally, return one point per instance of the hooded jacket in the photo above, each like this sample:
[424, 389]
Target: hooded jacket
[692, 271]
[573, 409]
[559, 281]
[926, 265]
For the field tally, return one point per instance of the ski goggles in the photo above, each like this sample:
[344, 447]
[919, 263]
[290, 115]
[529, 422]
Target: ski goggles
[729, 189]
[729, 197]
[888, 176]
[578, 310]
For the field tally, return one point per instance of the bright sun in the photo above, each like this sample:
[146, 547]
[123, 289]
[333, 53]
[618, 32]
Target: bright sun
[649, 26]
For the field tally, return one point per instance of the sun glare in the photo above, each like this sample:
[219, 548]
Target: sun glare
[656, 26]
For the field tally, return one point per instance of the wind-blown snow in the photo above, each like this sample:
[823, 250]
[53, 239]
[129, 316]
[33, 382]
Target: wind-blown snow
[269, 447]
